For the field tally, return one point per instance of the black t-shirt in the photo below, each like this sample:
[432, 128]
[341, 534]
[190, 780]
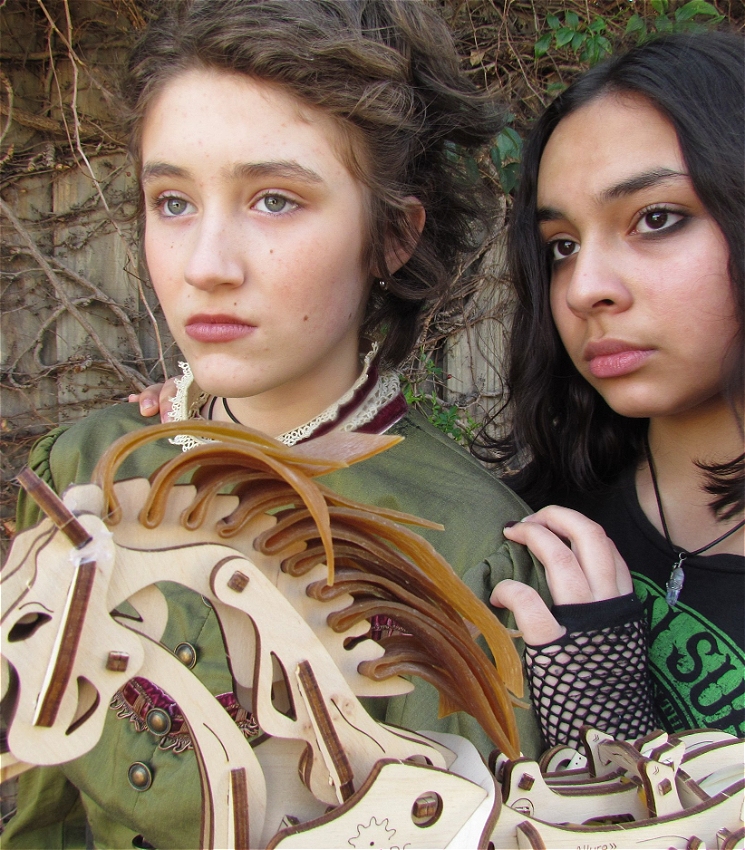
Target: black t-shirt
[697, 647]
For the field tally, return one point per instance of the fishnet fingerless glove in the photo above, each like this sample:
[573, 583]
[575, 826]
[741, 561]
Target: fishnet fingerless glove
[597, 677]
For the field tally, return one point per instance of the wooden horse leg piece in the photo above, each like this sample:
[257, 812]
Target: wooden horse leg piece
[232, 780]
[329, 744]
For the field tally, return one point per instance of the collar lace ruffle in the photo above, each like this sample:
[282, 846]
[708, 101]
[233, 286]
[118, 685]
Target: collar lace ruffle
[371, 405]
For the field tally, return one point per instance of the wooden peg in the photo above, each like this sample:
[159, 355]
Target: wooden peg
[54, 508]
[64, 660]
[239, 794]
[325, 728]
[238, 581]
[117, 662]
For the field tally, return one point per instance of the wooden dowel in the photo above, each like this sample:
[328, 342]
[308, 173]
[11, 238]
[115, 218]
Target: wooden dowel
[54, 508]
[325, 726]
[65, 661]
[239, 794]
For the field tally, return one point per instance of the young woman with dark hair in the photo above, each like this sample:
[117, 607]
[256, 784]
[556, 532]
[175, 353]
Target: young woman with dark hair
[301, 202]
[625, 383]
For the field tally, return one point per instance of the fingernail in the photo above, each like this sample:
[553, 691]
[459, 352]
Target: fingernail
[147, 403]
[510, 523]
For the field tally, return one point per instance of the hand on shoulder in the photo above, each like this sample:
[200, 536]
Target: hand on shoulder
[157, 398]
[582, 566]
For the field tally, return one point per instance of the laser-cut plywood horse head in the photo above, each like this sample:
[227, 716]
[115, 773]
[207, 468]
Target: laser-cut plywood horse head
[295, 574]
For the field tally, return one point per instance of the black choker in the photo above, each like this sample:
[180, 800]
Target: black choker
[677, 576]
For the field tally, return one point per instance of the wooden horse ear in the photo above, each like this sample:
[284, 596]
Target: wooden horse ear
[54, 508]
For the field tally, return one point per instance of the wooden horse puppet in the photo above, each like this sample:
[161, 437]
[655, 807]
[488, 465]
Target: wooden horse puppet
[295, 574]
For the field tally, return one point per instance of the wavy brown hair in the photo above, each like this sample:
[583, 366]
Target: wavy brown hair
[386, 71]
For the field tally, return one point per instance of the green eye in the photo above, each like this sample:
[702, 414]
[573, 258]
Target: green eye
[175, 206]
[274, 203]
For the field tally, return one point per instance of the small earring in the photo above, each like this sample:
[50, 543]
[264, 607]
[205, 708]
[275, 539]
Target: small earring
[382, 284]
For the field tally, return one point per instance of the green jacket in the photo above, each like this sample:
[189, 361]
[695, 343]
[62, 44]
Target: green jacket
[427, 475]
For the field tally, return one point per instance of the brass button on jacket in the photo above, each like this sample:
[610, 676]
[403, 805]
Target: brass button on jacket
[140, 776]
[186, 654]
[158, 721]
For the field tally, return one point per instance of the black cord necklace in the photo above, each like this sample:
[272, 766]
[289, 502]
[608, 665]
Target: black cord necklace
[230, 412]
[677, 576]
[227, 410]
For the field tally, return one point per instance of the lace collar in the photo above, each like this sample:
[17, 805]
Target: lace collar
[371, 405]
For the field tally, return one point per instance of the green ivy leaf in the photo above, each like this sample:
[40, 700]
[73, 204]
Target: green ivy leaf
[509, 144]
[555, 88]
[660, 6]
[508, 177]
[636, 24]
[578, 40]
[571, 19]
[564, 36]
[542, 45]
[663, 24]
[553, 22]
[453, 152]
[591, 53]
[605, 48]
[696, 28]
[598, 25]
[693, 8]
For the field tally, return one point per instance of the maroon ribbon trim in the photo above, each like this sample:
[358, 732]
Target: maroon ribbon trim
[388, 415]
[141, 695]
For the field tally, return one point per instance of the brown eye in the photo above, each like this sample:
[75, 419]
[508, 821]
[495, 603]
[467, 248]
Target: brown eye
[657, 220]
[562, 248]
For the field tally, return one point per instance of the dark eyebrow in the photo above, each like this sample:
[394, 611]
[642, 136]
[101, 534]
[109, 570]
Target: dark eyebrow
[640, 181]
[548, 214]
[626, 187]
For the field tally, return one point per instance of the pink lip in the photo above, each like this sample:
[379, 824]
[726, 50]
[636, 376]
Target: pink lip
[218, 328]
[612, 358]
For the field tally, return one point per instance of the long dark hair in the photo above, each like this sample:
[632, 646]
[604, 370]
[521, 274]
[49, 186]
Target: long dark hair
[388, 74]
[564, 438]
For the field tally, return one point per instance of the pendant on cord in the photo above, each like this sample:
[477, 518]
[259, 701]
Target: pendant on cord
[675, 582]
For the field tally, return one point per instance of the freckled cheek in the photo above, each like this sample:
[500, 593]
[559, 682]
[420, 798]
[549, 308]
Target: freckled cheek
[316, 283]
[165, 281]
[159, 275]
[155, 256]
[166, 258]
[324, 316]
